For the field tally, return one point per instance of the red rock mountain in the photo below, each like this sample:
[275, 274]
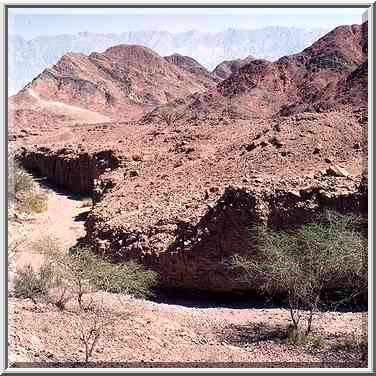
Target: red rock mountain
[193, 66]
[123, 82]
[332, 73]
[227, 67]
[306, 78]
[128, 81]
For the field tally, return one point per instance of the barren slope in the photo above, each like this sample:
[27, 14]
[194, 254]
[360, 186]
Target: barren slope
[122, 83]
[227, 67]
[312, 79]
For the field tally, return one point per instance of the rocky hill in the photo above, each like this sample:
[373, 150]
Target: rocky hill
[193, 66]
[305, 78]
[329, 74]
[30, 57]
[122, 83]
[227, 67]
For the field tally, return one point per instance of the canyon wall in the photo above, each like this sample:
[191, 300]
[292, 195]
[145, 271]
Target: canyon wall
[68, 168]
[193, 255]
[196, 257]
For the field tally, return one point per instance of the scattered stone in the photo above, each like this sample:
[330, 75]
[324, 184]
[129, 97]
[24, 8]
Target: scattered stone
[357, 146]
[276, 142]
[134, 173]
[249, 147]
[295, 193]
[317, 149]
[336, 171]
[137, 157]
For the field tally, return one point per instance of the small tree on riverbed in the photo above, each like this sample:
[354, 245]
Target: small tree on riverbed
[328, 255]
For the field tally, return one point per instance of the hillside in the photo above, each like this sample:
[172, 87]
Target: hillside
[317, 79]
[227, 67]
[124, 82]
[29, 57]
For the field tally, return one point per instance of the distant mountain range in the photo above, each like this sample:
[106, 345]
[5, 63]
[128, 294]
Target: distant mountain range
[28, 58]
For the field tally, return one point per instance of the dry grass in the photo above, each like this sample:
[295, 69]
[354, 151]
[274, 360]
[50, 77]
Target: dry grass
[32, 201]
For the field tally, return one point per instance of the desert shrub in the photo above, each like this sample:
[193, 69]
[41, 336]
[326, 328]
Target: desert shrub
[129, 277]
[29, 284]
[318, 342]
[72, 274]
[82, 272]
[23, 182]
[32, 202]
[29, 198]
[93, 322]
[352, 343]
[45, 245]
[170, 116]
[329, 255]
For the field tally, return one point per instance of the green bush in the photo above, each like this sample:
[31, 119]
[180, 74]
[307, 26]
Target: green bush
[29, 198]
[23, 182]
[327, 257]
[129, 277]
[352, 343]
[82, 272]
[29, 284]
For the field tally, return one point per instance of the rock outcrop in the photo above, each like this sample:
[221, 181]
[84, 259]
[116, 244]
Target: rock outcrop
[228, 67]
[68, 167]
[196, 254]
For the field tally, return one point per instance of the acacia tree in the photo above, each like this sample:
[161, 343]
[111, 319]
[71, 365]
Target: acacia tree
[329, 255]
[82, 272]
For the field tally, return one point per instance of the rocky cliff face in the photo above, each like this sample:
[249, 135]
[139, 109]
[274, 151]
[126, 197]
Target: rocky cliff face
[193, 254]
[197, 253]
[67, 167]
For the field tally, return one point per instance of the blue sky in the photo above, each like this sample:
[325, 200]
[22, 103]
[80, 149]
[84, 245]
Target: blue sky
[33, 22]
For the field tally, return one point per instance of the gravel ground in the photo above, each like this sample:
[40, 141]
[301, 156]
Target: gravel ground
[150, 334]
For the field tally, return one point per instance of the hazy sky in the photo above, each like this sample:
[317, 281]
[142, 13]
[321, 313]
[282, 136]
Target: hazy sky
[32, 22]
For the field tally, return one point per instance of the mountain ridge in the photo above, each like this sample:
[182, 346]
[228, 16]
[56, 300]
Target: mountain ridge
[27, 58]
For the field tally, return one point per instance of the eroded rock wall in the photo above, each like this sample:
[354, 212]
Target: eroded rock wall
[68, 168]
[195, 255]
[190, 253]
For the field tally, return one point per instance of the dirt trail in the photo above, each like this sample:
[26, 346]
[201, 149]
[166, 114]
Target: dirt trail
[79, 114]
[63, 220]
